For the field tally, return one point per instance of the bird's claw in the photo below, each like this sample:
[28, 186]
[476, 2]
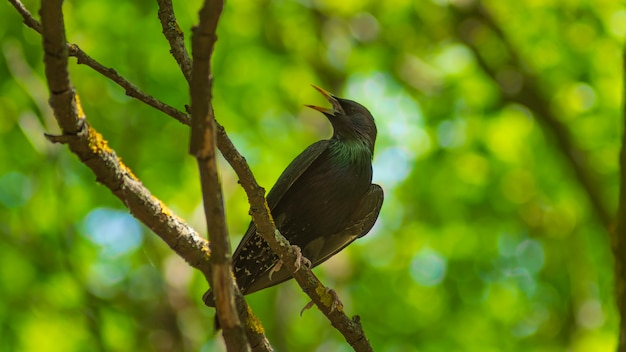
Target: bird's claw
[335, 299]
[329, 298]
[307, 307]
[300, 259]
[276, 268]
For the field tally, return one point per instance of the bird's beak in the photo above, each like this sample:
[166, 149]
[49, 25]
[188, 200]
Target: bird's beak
[331, 99]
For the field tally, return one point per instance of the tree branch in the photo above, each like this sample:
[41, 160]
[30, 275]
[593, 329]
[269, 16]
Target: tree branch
[82, 58]
[175, 37]
[619, 238]
[202, 146]
[29, 20]
[130, 89]
[93, 150]
[530, 96]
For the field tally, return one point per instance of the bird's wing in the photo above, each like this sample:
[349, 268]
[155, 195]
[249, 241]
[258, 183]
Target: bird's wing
[293, 171]
[322, 248]
[359, 224]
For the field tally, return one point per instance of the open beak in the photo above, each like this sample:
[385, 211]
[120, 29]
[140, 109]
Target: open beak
[331, 99]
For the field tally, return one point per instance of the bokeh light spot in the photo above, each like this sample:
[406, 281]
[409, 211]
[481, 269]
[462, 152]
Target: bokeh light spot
[116, 231]
[529, 254]
[15, 189]
[428, 267]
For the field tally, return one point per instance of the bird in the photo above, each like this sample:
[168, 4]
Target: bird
[322, 202]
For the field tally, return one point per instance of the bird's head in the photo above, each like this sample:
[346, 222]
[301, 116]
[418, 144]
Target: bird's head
[351, 121]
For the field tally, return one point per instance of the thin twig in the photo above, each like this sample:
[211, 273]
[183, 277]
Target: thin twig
[29, 20]
[175, 37]
[202, 147]
[130, 89]
[82, 58]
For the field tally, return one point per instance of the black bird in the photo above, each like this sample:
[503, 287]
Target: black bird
[322, 202]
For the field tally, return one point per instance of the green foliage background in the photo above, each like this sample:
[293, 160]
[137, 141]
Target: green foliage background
[486, 241]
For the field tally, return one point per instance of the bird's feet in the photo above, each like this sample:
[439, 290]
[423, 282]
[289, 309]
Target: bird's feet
[276, 268]
[333, 298]
[300, 259]
[329, 298]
